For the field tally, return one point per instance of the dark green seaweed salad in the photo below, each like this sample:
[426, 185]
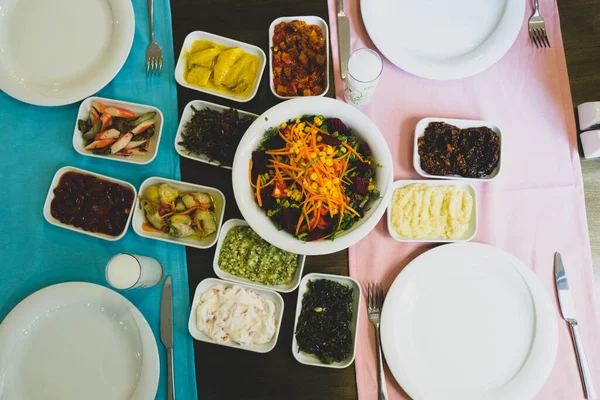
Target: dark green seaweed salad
[324, 324]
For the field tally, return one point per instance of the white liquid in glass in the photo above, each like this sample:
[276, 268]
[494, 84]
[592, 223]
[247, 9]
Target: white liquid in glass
[364, 69]
[129, 271]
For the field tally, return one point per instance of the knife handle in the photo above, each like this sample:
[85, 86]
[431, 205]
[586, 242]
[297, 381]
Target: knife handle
[584, 369]
[339, 5]
[170, 377]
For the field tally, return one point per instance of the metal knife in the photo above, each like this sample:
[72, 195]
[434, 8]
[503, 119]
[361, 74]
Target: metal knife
[568, 311]
[166, 333]
[343, 26]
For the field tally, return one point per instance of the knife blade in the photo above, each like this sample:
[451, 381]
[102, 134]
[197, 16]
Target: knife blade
[343, 26]
[567, 308]
[562, 288]
[166, 314]
[166, 333]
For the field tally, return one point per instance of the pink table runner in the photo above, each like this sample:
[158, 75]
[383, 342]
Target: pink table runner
[536, 206]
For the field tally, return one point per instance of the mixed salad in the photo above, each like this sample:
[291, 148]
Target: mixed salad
[313, 177]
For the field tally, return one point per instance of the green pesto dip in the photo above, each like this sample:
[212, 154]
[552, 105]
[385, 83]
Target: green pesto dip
[247, 255]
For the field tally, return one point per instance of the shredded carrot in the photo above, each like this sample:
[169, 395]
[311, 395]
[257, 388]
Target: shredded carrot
[150, 228]
[258, 191]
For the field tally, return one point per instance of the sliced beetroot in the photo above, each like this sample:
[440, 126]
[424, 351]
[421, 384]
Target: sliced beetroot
[259, 164]
[360, 186]
[315, 234]
[266, 196]
[363, 166]
[336, 124]
[364, 149]
[331, 140]
[290, 217]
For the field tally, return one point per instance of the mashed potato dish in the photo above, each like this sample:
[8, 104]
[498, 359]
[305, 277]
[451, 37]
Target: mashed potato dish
[421, 211]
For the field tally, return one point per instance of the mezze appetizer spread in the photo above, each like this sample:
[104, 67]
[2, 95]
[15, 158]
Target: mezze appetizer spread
[215, 134]
[421, 211]
[445, 150]
[233, 313]
[299, 59]
[323, 327]
[247, 255]
[113, 130]
[91, 203]
[313, 177]
[227, 70]
[167, 210]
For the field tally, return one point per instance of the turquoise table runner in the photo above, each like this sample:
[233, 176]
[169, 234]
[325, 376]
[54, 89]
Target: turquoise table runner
[35, 143]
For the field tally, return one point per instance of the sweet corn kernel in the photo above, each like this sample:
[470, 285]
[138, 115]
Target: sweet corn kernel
[371, 187]
[322, 154]
[328, 184]
[297, 120]
[313, 155]
[316, 119]
[313, 176]
[319, 123]
[322, 190]
[301, 126]
[314, 185]
[331, 170]
[313, 130]
[336, 180]
[329, 150]
[334, 212]
[319, 138]
[283, 126]
[328, 162]
[307, 129]
[335, 195]
[343, 150]
[299, 143]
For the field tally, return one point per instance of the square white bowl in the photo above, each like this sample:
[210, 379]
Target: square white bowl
[48, 214]
[79, 143]
[248, 48]
[230, 277]
[139, 217]
[188, 112]
[310, 20]
[269, 294]
[462, 124]
[311, 359]
[473, 225]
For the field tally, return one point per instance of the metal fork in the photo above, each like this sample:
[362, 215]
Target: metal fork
[154, 56]
[374, 305]
[537, 28]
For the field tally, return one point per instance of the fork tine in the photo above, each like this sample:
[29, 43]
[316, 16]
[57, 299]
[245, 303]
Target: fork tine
[160, 64]
[370, 295]
[154, 65]
[532, 37]
[380, 302]
[545, 36]
[541, 37]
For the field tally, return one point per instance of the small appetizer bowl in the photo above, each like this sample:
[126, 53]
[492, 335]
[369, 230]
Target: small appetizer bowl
[311, 359]
[268, 294]
[473, 224]
[248, 48]
[462, 124]
[310, 20]
[148, 157]
[139, 217]
[186, 117]
[230, 277]
[55, 181]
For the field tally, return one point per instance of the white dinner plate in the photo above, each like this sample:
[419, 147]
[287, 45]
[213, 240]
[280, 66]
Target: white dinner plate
[468, 321]
[62, 51]
[441, 39]
[76, 341]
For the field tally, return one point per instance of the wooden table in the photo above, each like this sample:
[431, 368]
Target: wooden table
[224, 373]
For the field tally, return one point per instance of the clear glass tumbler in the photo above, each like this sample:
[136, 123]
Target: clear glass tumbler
[364, 69]
[130, 271]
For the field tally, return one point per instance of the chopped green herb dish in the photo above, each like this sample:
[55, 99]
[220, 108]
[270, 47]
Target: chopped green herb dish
[247, 255]
[324, 324]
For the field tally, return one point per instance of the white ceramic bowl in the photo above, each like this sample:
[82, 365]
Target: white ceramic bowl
[48, 215]
[188, 112]
[248, 48]
[462, 124]
[473, 225]
[311, 20]
[361, 125]
[56, 53]
[229, 277]
[268, 294]
[311, 359]
[79, 143]
[139, 218]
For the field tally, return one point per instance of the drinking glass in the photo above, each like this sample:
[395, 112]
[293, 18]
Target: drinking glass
[131, 271]
[364, 69]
